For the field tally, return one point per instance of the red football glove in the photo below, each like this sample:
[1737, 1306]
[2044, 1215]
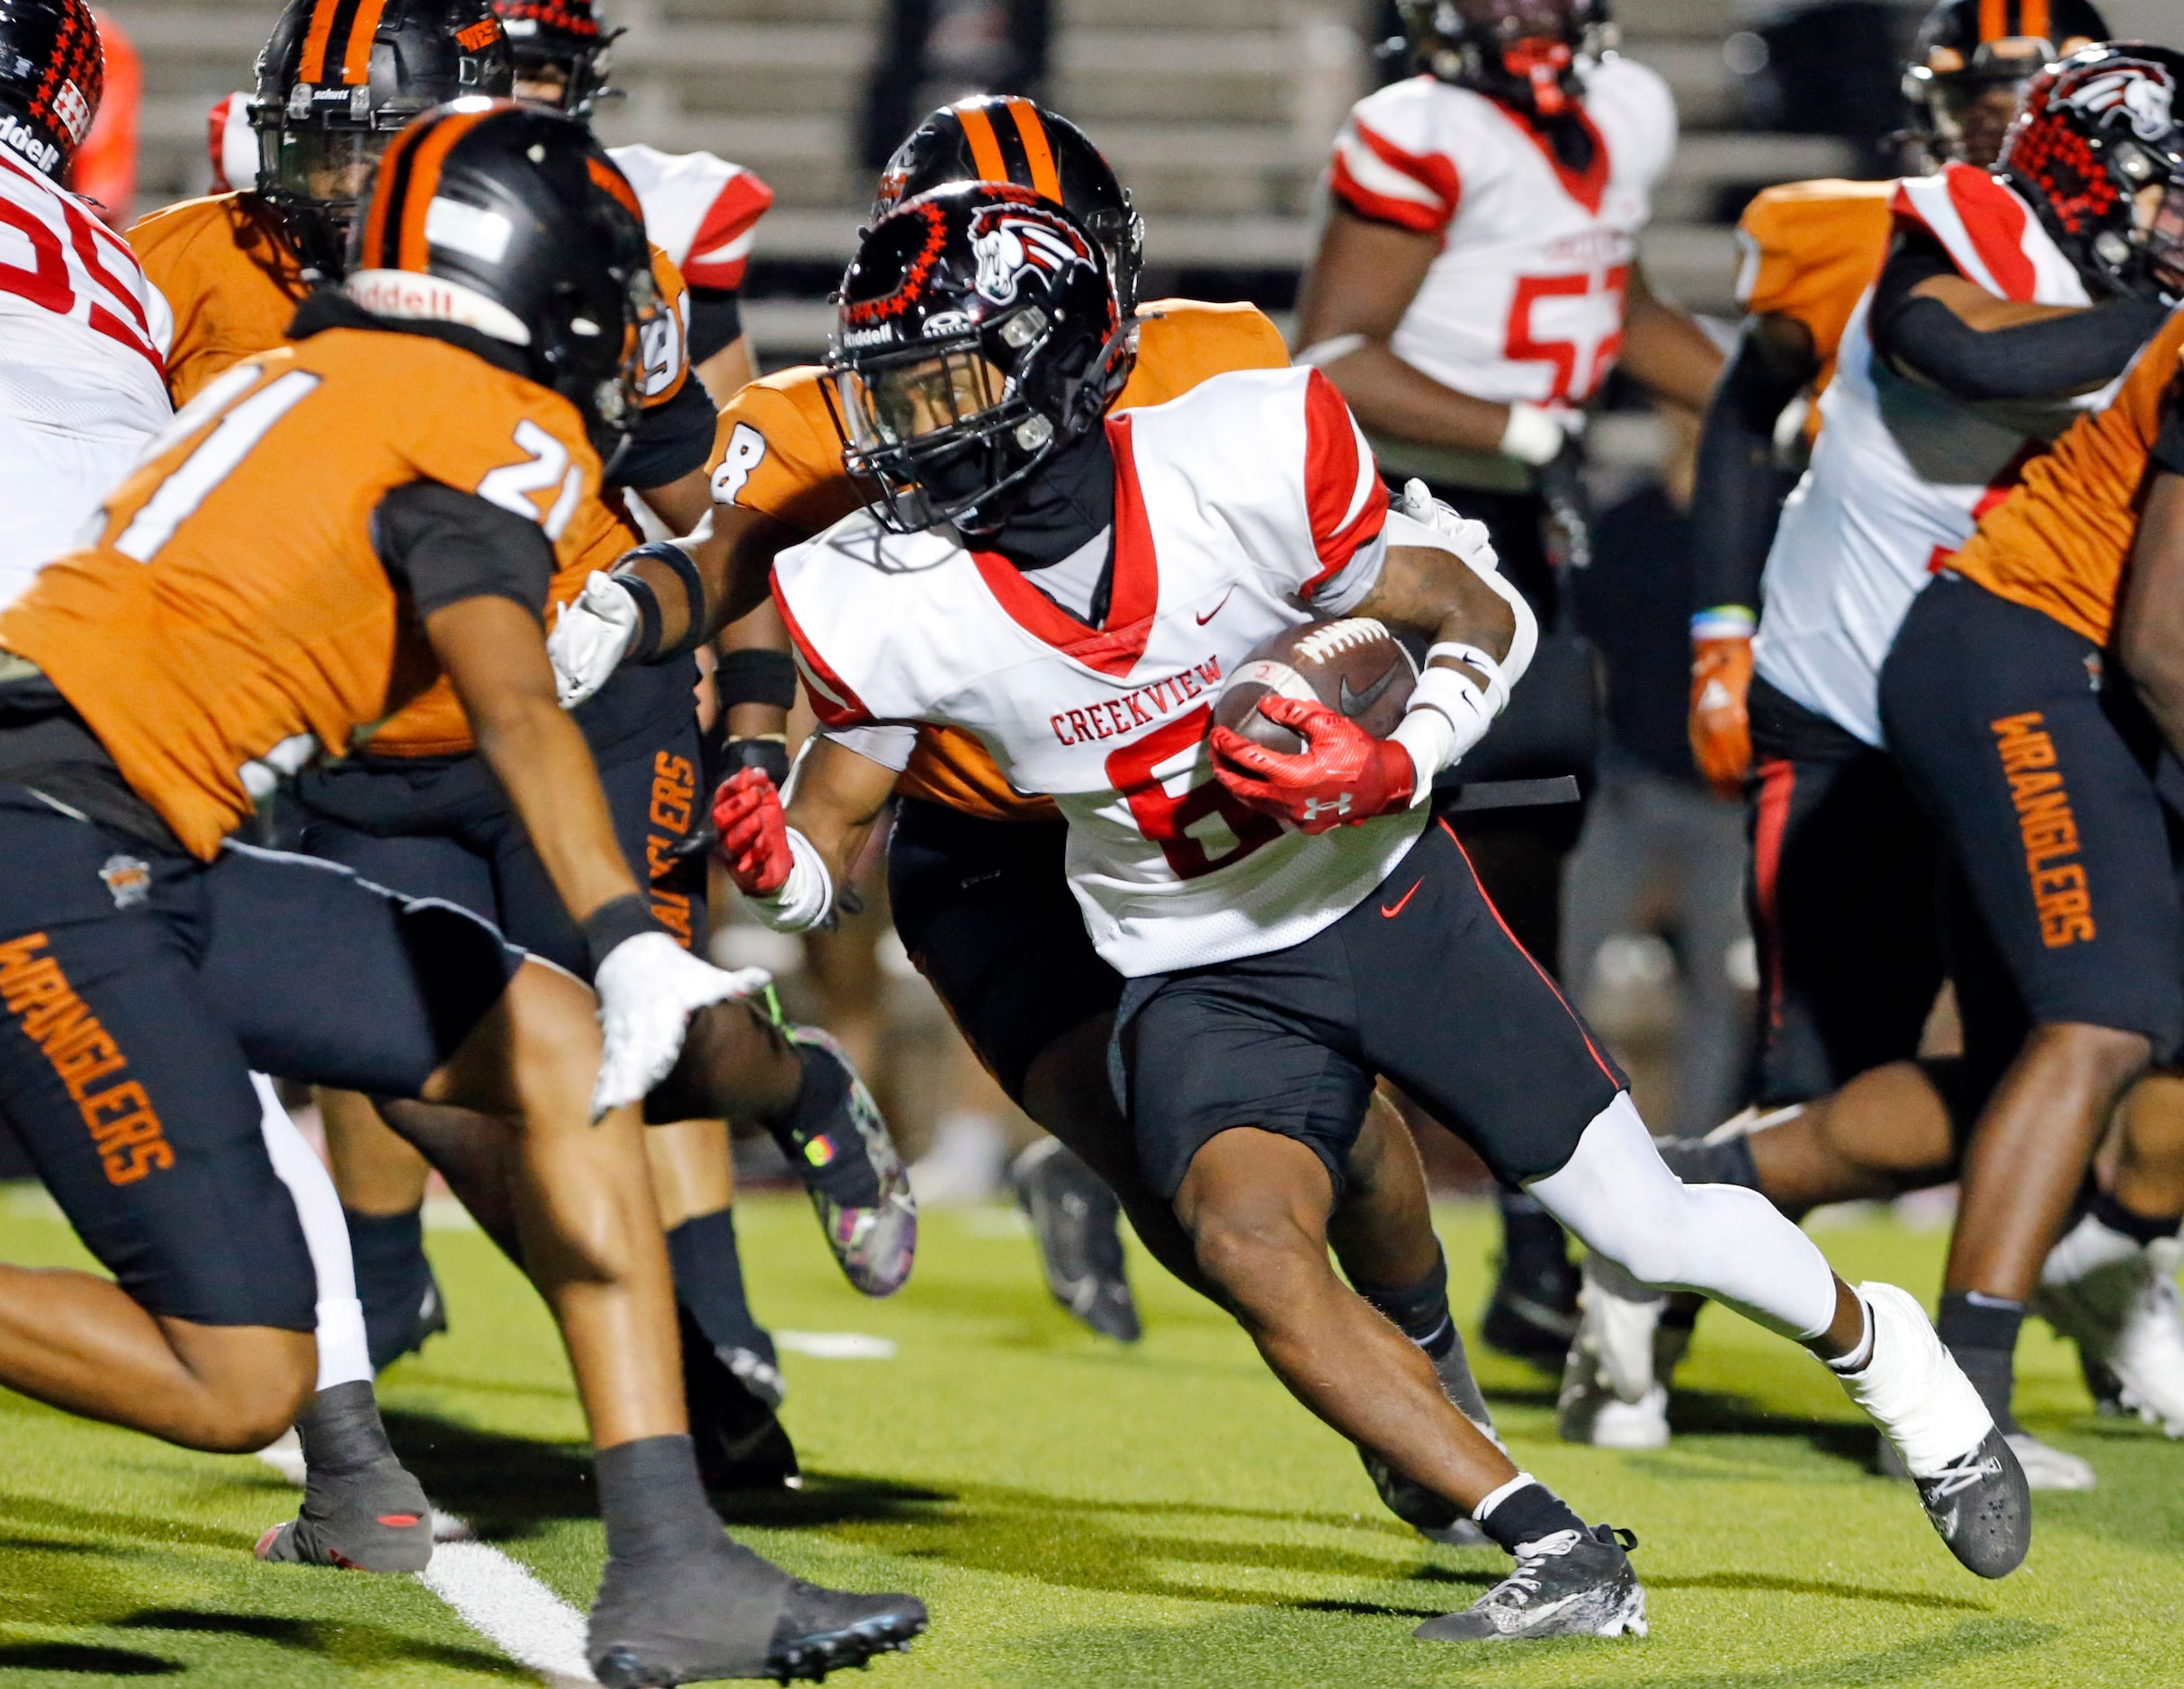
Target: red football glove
[1720, 727]
[754, 833]
[1343, 775]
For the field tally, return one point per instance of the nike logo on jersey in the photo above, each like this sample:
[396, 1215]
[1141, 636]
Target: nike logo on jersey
[1355, 704]
[1390, 914]
[1216, 609]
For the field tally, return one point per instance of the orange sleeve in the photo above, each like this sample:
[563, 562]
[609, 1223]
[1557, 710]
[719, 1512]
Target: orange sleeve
[666, 343]
[1182, 342]
[1810, 251]
[776, 451]
[232, 288]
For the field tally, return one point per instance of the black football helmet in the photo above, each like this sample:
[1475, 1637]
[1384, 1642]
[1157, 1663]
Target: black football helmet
[1972, 60]
[979, 332]
[996, 138]
[2098, 150]
[511, 220]
[336, 81]
[1522, 52]
[561, 43]
[52, 76]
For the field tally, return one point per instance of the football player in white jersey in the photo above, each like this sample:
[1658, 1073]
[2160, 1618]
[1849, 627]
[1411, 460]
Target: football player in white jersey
[82, 335]
[1289, 927]
[1477, 279]
[1980, 342]
[701, 210]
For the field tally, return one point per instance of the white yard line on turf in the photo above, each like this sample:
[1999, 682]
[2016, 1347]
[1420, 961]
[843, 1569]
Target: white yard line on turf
[509, 1607]
[836, 1345]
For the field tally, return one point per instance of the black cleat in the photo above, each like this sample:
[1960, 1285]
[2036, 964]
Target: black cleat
[362, 1509]
[373, 1521]
[1982, 1507]
[836, 1143]
[1565, 1584]
[402, 1308]
[1077, 1223]
[741, 1445]
[726, 1613]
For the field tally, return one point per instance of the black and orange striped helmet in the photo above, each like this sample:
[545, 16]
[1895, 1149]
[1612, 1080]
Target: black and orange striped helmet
[1971, 55]
[52, 74]
[511, 221]
[1002, 139]
[337, 79]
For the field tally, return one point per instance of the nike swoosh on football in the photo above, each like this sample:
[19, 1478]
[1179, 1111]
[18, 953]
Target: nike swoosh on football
[1391, 914]
[1355, 704]
[1216, 609]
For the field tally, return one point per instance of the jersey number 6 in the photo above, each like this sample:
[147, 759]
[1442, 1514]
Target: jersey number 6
[1205, 828]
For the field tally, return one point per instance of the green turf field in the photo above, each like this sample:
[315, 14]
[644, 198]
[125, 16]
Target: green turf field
[1076, 1515]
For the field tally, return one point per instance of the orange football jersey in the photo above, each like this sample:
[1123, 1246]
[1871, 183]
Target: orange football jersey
[225, 270]
[776, 451]
[2060, 542]
[234, 614]
[1810, 250]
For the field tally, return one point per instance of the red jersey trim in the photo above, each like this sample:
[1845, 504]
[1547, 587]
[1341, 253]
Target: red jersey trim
[1436, 174]
[1588, 187]
[742, 201]
[833, 700]
[1116, 649]
[1336, 470]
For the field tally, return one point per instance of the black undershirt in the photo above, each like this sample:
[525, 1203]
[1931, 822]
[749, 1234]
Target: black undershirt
[1067, 502]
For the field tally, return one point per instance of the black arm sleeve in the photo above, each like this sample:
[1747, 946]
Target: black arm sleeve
[442, 546]
[2044, 359]
[1738, 497]
[671, 439]
[716, 321]
[2168, 445]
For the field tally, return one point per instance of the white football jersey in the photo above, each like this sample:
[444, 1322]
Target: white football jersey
[1248, 505]
[83, 368]
[1903, 472]
[701, 210]
[1526, 299]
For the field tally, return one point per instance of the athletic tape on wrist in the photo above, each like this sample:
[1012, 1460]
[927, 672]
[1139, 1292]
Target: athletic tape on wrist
[612, 923]
[1723, 621]
[804, 897]
[756, 677]
[1473, 657]
[685, 570]
[1453, 694]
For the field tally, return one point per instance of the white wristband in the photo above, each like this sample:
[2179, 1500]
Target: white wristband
[1532, 436]
[1448, 714]
[1473, 657]
[805, 897]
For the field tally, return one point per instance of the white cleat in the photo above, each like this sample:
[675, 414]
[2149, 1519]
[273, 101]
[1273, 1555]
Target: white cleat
[2047, 1467]
[1615, 1391]
[2121, 1306]
[1969, 1478]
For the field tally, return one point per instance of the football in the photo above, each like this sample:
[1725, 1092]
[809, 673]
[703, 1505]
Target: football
[1354, 667]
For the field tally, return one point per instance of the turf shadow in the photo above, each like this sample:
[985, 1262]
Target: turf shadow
[77, 1660]
[340, 1641]
[1769, 1584]
[161, 1528]
[505, 1485]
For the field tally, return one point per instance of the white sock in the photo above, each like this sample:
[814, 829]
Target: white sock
[343, 1358]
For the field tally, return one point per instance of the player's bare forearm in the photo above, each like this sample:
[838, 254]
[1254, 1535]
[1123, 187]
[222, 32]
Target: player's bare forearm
[735, 549]
[1434, 592]
[1363, 281]
[683, 503]
[2151, 626]
[834, 797]
[494, 654]
[1664, 349]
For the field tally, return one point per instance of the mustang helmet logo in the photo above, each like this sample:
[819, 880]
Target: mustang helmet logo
[2144, 95]
[1014, 248]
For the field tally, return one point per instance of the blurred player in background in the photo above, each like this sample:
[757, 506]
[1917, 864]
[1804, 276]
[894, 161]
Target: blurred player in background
[1477, 281]
[1989, 327]
[103, 171]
